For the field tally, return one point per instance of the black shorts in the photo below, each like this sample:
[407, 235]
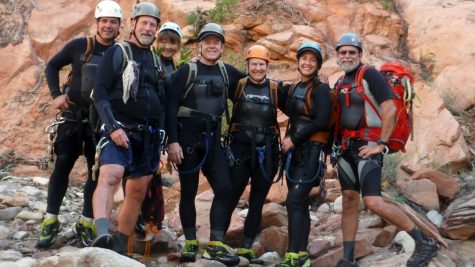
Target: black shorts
[358, 174]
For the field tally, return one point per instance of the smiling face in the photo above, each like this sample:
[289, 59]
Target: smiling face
[211, 49]
[145, 28]
[307, 63]
[108, 28]
[349, 58]
[257, 69]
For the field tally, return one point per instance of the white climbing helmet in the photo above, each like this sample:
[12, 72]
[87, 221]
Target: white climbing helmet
[170, 26]
[108, 8]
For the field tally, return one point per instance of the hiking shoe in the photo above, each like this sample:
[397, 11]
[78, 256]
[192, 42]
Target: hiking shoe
[249, 254]
[103, 241]
[423, 254]
[221, 252]
[86, 231]
[346, 263]
[140, 227]
[304, 259]
[188, 254]
[49, 229]
[291, 259]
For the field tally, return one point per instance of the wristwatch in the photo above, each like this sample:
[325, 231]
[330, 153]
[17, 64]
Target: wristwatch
[381, 142]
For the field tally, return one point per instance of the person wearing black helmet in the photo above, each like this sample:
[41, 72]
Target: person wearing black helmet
[360, 163]
[74, 134]
[194, 112]
[308, 105]
[129, 104]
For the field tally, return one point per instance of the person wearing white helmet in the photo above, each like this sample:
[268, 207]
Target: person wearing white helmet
[74, 136]
[169, 43]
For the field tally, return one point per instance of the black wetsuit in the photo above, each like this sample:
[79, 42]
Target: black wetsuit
[254, 138]
[305, 156]
[356, 173]
[140, 115]
[74, 137]
[207, 97]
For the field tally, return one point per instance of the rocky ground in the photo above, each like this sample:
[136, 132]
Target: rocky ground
[23, 203]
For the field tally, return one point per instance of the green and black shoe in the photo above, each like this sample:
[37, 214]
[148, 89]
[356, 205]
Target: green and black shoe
[249, 254]
[291, 259]
[304, 259]
[221, 252]
[140, 227]
[188, 254]
[49, 229]
[86, 231]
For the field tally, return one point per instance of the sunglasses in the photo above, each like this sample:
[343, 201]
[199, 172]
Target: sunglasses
[349, 52]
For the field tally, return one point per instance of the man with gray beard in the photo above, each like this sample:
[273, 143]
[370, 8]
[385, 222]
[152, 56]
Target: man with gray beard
[128, 101]
[359, 167]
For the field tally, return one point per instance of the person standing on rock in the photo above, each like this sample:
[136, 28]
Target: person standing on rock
[127, 99]
[308, 104]
[194, 113]
[359, 167]
[254, 141]
[74, 134]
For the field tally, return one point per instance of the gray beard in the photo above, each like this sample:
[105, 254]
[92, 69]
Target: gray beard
[349, 68]
[146, 41]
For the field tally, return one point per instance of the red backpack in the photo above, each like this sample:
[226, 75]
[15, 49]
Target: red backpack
[400, 81]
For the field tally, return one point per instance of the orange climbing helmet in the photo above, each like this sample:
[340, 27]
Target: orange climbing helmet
[258, 51]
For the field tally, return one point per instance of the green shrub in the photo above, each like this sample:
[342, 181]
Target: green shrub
[223, 10]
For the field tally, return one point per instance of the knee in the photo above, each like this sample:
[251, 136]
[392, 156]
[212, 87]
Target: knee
[135, 193]
[108, 179]
[292, 201]
[351, 199]
[375, 204]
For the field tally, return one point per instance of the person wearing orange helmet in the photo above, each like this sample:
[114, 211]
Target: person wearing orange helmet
[74, 135]
[254, 142]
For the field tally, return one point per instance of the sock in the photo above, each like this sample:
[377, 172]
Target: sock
[49, 215]
[417, 235]
[190, 233]
[247, 242]
[102, 226]
[217, 235]
[123, 241]
[349, 250]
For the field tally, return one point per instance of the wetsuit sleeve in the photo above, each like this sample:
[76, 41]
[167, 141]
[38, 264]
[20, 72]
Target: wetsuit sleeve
[234, 76]
[283, 94]
[61, 59]
[177, 87]
[321, 112]
[107, 74]
[377, 85]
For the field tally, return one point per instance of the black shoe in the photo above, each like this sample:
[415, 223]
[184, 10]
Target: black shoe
[104, 241]
[86, 231]
[423, 254]
[250, 255]
[346, 263]
[221, 252]
[188, 254]
[49, 229]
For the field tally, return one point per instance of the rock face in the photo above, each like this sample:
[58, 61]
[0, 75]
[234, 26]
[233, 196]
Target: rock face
[435, 47]
[459, 218]
[447, 186]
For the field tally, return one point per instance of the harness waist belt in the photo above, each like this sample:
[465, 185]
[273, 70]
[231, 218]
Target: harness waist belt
[193, 113]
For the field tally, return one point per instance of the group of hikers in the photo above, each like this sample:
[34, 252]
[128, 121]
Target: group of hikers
[139, 95]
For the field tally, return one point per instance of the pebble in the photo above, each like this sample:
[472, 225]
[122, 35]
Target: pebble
[28, 215]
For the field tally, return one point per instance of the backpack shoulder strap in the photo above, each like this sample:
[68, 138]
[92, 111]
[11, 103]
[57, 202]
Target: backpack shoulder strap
[224, 73]
[192, 73]
[273, 92]
[291, 90]
[126, 53]
[240, 89]
[90, 45]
